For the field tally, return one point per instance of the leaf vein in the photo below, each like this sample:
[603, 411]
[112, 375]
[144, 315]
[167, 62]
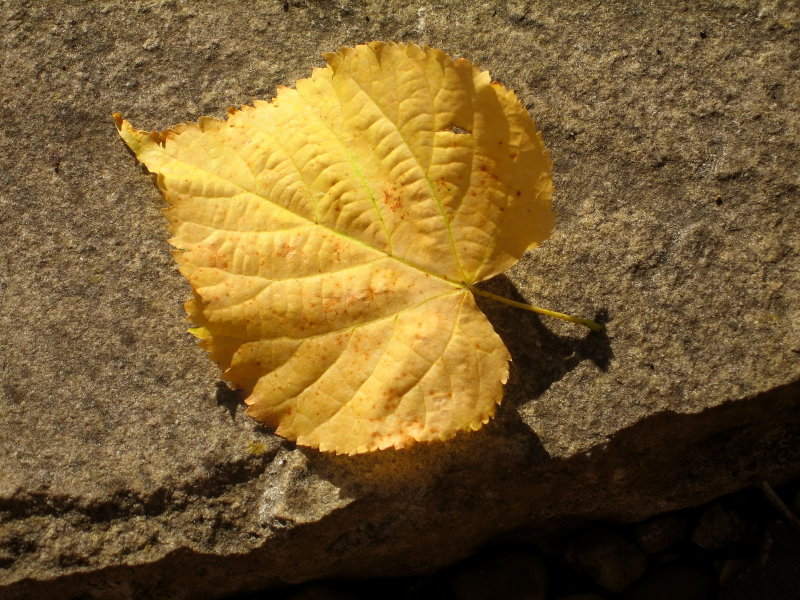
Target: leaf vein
[427, 180]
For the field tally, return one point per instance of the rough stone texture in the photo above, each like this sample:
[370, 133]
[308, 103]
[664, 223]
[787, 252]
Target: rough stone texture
[127, 471]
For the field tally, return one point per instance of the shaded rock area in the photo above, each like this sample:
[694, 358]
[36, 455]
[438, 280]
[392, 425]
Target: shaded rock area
[763, 562]
[128, 471]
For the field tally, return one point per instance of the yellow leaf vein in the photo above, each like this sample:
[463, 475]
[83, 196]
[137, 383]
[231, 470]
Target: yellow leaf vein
[427, 180]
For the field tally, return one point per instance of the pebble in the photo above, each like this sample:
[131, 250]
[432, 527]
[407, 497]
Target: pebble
[720, 527]
[660, 533]
[610, 559]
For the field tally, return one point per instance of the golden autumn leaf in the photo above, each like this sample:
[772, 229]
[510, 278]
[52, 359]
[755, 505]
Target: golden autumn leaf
[333, 237]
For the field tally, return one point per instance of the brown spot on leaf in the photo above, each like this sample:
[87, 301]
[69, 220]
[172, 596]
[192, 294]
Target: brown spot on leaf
[393, 199]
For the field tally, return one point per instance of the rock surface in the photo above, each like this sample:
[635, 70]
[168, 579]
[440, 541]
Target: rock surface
[127, 471]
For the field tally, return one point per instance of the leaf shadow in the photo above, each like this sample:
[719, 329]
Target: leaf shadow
[539, 357]
[230, 399]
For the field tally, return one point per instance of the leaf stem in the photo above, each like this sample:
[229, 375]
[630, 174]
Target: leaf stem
[542, 311]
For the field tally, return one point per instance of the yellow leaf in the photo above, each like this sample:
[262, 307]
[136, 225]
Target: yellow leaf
[332, 238]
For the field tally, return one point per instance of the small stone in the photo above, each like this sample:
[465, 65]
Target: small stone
[720, 527]
[660, 533]
[505, 576]
[673, 581]
[728, 569]
[610, 559]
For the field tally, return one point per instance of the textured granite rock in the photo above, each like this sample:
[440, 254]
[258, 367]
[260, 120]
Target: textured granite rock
[128, 471]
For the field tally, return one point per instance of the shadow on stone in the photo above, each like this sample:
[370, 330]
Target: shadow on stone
[230, 399]
[412, 505]
[539, 356]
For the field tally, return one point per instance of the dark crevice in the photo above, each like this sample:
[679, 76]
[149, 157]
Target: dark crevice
[125, 503]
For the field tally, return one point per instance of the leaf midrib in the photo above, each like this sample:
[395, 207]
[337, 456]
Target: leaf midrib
[457, 284]
[432, 188]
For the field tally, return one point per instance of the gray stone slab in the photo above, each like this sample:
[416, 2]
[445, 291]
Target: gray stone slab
[128, 471]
